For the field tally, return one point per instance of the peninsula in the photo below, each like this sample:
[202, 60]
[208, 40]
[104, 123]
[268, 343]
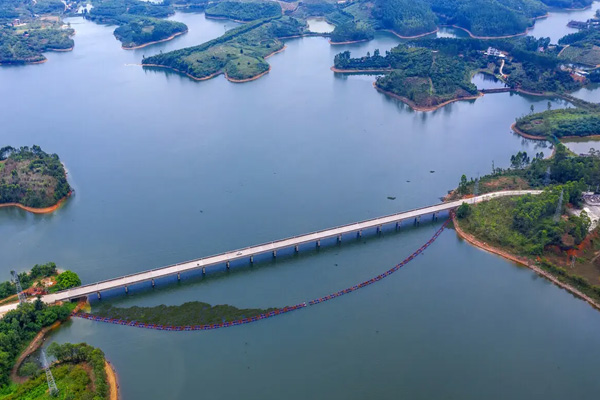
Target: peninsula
[32, 179]
[556, 233]
[239, 54]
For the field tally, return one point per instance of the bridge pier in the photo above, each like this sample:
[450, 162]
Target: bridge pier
[417, 220]
[398, 224]
[318, 244]
[126, 290]
[251, 260]
[178, 277]
[274, 253]
[296, 249]
[339, 239]
[379, 229]
[227, 265]
[359, 234]
[203, 271]
[99, 296]
[153, 285]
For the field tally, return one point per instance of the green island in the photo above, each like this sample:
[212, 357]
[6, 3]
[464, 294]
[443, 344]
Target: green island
[243, 11]
[429, 73]
[190, 313]
[139, 22]
[352, 32]
[32, 178]
[556, 231]
[240, 53]
[25, 34]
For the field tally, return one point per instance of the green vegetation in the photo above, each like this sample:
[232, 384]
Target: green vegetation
[544, 228]
[66, 280]
[191, 313]
[32, 177]
[352, 32]
[25, 44]
[584, 47]
[243, 10]
[70, 374]
[27, 279]
[138, 21]
[560, 123]
[240, 53]
[423, 77]
[143, 30]
[405, 17]
[18, 328]
[525, 225]
[48, 7]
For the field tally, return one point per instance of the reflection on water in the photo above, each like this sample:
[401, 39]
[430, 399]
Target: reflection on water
[555, 25]
[487, 81]
[168, 169]
[319, 25]
[582, 145]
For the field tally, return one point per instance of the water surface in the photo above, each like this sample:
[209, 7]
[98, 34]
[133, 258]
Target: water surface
[168, 169]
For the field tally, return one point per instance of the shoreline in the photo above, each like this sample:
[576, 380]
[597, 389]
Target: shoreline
[239, 21]
[348, 42]
[173, 36]
[516, 130]
[111, 379]
[205, 78]
[436, 30]
[415, 107]
[35, 344]
[359, 71]
[473, 36]
[44, 210]
[521, 261]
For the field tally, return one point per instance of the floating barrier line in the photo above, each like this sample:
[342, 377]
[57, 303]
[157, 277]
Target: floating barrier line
[271, 314]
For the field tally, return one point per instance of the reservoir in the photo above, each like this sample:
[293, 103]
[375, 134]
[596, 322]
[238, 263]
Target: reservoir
[167, 169]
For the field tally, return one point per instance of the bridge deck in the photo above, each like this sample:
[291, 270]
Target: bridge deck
[248, 252]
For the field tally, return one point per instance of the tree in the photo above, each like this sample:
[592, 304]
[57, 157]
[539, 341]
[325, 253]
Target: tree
[463, 211]
[549, 106]
[462, 186]
[67, 279]
[532, 108]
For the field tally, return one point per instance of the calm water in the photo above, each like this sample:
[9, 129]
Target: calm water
[167, 169]
[555, 26]
[583, 145]
[486, 81]
[319, 25]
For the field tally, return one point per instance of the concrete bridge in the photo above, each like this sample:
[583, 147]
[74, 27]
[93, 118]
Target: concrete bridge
[224, 259]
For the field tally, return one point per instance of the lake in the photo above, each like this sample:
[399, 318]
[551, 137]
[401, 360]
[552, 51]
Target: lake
[167, 169]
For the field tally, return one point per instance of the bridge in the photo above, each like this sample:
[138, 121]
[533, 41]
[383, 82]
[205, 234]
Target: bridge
[224, 259]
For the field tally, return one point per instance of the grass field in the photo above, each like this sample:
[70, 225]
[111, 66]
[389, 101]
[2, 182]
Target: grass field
[73, 382]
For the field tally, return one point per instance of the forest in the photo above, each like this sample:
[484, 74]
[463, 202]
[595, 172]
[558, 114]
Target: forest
[143, 30]
[18, 328]
[352, 32]
[239, 53]
[243, 10]
[31, 177]
[560, 123]
[25, 44]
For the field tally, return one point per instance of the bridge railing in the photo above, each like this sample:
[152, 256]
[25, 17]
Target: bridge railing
[435, 208]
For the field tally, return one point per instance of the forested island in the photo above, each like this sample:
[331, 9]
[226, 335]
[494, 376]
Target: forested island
[31, 178]
[560, 123]
[428, 73]
[549, 232]
[139, 22]
[24, 35]
[239, 54]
